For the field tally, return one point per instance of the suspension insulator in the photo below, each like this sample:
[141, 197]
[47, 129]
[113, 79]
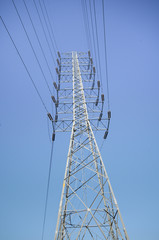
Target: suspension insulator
[58, 53]
[94, 70]
[109, 114]
[102, 97]
[90, 63]
[88, 66]
[50, 117]
[56, 117]
[57, 71]
[93, 85]
[97, 100]
[100, 116]
[58, 62]
[59, 86]
[55, 85]
[53, 99]
[53, 136]
[57, 103]
[105, 134]
[89, 54]
[98, 84]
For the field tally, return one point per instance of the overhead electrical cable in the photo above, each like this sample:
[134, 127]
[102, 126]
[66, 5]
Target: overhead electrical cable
[36, 34]
[87, 20]
[50, 25]
[51, 53]
[47, 28]
[85, 24]
[47, 189]
[105, 47]
[95, 17]
[102, 144]
[24, 64]
[48, 128]
[93, 36]
[32, 47]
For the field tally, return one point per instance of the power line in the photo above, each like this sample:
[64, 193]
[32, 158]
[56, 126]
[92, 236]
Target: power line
[93, 34]
[47, 27]
[51, 156]
[85, 24]
[105, 46]
[50, 25]
[24, 64]
[31, 46]
[48, 128]
[89, 34]
[47, 189]
[44, 32]
[38, 39]
[97, 44]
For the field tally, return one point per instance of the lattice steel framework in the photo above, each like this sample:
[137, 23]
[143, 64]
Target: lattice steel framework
[88, 208]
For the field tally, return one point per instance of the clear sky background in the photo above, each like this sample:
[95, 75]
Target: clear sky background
[131, 151]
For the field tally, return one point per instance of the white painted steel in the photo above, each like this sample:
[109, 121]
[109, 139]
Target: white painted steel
[88, 208]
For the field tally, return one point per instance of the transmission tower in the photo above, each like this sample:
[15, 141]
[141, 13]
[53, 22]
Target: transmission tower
[88, 208]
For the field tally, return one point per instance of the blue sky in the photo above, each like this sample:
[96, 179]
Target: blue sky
[130, 153]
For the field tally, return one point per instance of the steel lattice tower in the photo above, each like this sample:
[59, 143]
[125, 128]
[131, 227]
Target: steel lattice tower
[88, 208]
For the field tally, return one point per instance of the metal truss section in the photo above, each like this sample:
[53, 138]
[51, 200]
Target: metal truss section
[66, 125]
[88, 208]
[64, 97]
